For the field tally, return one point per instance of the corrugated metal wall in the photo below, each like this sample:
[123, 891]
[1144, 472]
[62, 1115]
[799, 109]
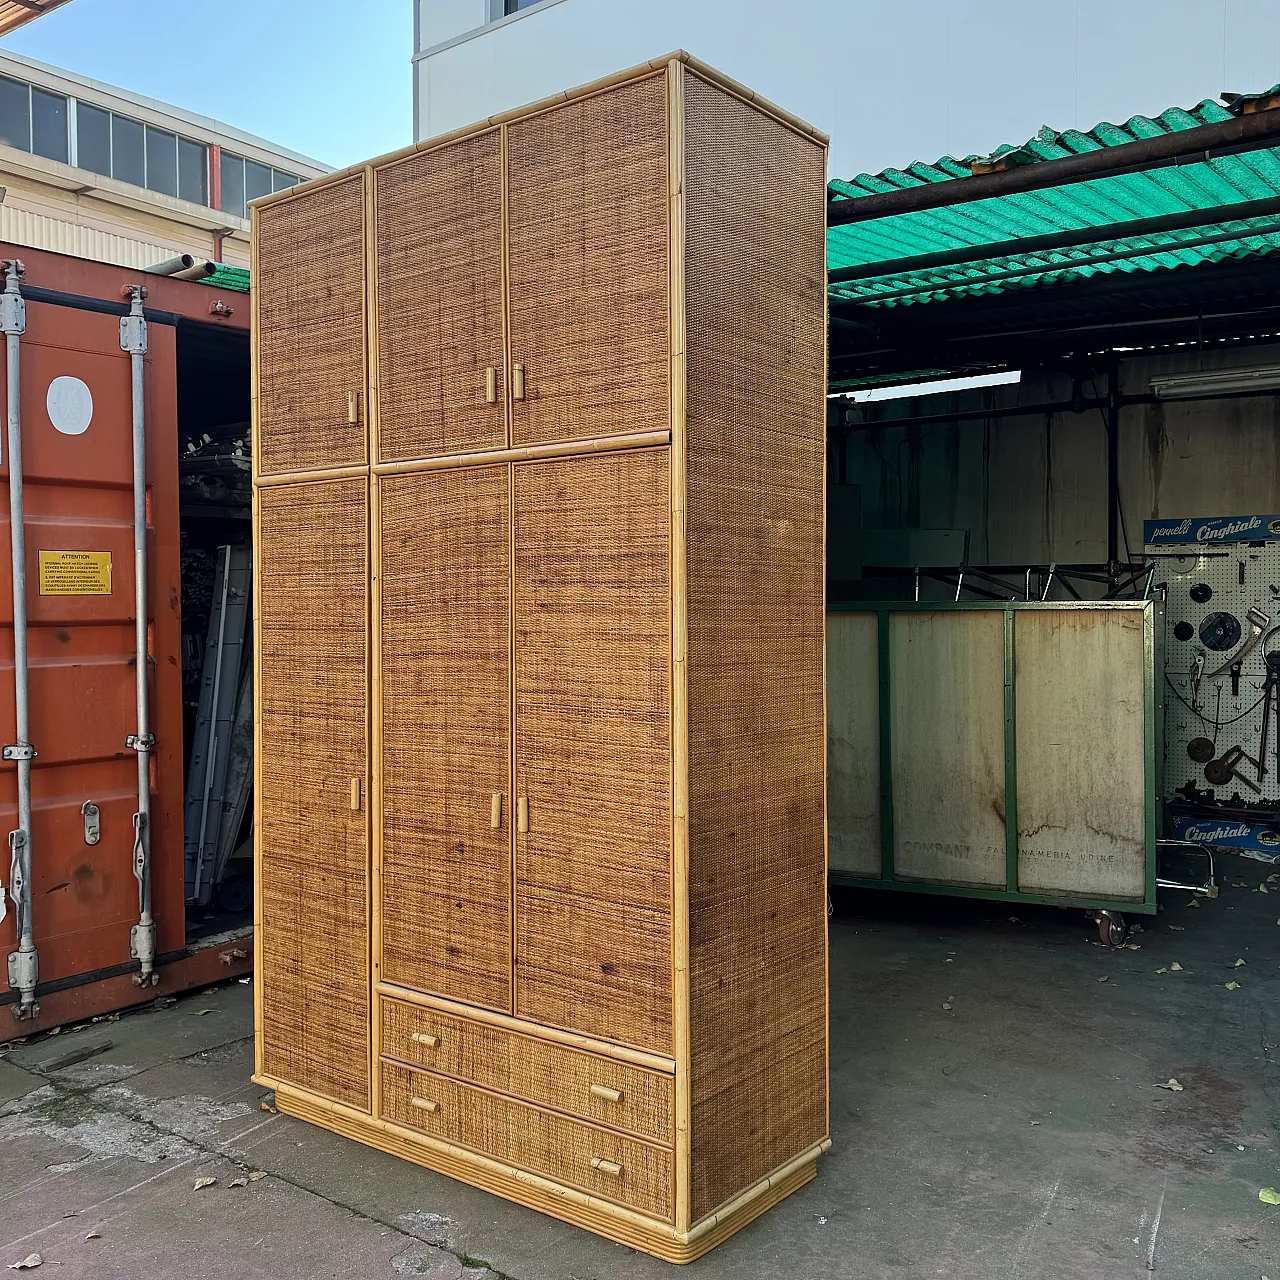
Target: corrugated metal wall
[1033, 489]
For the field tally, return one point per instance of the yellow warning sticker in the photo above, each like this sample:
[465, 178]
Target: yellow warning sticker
[75, 573]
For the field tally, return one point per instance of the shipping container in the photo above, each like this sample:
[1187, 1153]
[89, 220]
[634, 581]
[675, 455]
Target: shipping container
[76, 412]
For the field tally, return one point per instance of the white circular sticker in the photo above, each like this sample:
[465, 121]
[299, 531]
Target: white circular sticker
[70, 405]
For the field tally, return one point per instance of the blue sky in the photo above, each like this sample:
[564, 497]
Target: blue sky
[331, 80]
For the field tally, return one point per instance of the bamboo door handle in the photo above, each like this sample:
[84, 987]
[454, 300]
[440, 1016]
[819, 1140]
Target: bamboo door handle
[522, 814]
[355, 794]
[603, 1091]
[425, 1104]
[517, 382]
[353, 407]
[611, 1167]
[425, 1037]
[491, 385]
[495, 810]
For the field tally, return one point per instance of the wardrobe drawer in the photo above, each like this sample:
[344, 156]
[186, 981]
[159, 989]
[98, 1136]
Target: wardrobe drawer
[603, 1090]
[595, 1160]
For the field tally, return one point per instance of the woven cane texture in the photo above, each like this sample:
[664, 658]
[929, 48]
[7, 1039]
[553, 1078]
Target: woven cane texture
[524, 1066]
[312, 846]
[439, 241]
[587, 219]
[532, 1139]
[593, 874]
[757, 858]
[446, 872]
[310, 318]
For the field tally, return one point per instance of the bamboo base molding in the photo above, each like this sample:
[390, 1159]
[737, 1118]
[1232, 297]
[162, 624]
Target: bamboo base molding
[608, 1220]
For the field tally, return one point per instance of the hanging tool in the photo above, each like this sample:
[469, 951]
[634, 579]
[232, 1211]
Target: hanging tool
[1260, 624]
[1197, 674]
[1270, 705]
[1227, 766]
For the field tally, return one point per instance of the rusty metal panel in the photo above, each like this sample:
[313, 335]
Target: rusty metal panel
[946, 695]
[1080, 751]
[78, 498]
[853, 743]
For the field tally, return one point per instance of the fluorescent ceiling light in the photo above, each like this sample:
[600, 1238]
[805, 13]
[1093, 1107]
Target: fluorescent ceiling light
[936, 388]
[1265, 377]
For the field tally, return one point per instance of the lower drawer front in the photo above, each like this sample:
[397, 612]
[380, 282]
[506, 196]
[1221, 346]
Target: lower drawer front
[602, 1090]
[594, 1160]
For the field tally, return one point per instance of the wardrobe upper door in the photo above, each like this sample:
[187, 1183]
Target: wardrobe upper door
[588, 259]
[439, 301]
[445, 743]
[593, 746]
[308, 303]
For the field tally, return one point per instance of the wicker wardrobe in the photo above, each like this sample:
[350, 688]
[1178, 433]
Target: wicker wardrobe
[538, 515]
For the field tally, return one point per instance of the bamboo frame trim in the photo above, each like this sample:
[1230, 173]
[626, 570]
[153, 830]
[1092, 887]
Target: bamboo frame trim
[781, 114]
[256, 554]
[359, 472]
[679, 647]
[522, 453]
[373, 641]
[826, 841]
[579, 1208]
[537, 1030]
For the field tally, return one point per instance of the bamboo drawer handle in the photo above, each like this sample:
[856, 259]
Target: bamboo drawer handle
[522, 813]
[425, 1104]
[603, 1091]
[491, 385]
[355, 794]
[517, 382]
[495, 810]
[611, 1167]
[353, 407]
[425, 1037]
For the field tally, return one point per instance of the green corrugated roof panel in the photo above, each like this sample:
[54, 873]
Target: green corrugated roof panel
[225, 277]
[1107, 203]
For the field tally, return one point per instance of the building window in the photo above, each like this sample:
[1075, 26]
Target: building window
[244, 180]
[141, 154]
[33, 119]
[514, 6]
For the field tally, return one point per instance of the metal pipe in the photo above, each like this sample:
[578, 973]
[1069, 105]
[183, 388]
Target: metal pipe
[171, 266]
[1113, 473]
[142, 937]
[24, 963]
[200, 269]
[1183, 146]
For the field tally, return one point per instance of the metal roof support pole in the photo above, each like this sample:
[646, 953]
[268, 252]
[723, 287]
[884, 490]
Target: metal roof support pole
[24, 963]
[142, 937]
[1113, 473]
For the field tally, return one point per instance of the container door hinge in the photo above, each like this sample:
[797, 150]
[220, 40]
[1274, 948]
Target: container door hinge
[24, 975]
[92, 822]
[133, 327]
[19, 751]
[141, 742]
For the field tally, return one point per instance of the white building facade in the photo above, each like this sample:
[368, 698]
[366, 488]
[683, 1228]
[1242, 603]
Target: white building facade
[891, 83]
[95, 171]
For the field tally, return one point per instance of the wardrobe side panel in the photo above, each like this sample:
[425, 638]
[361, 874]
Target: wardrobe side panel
[755, 210]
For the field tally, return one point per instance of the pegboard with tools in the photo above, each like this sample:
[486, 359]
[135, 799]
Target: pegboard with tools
[1221, 661]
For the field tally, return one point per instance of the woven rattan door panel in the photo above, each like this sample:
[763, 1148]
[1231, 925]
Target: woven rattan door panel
[312, 843]
[593, 741]
[309, 325]
[446, 870]
[439, 290]
[587, 227]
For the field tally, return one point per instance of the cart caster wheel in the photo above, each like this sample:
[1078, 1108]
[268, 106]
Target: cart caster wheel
[1111, 929]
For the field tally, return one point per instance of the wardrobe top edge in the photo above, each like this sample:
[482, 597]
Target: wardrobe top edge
[533, 108]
